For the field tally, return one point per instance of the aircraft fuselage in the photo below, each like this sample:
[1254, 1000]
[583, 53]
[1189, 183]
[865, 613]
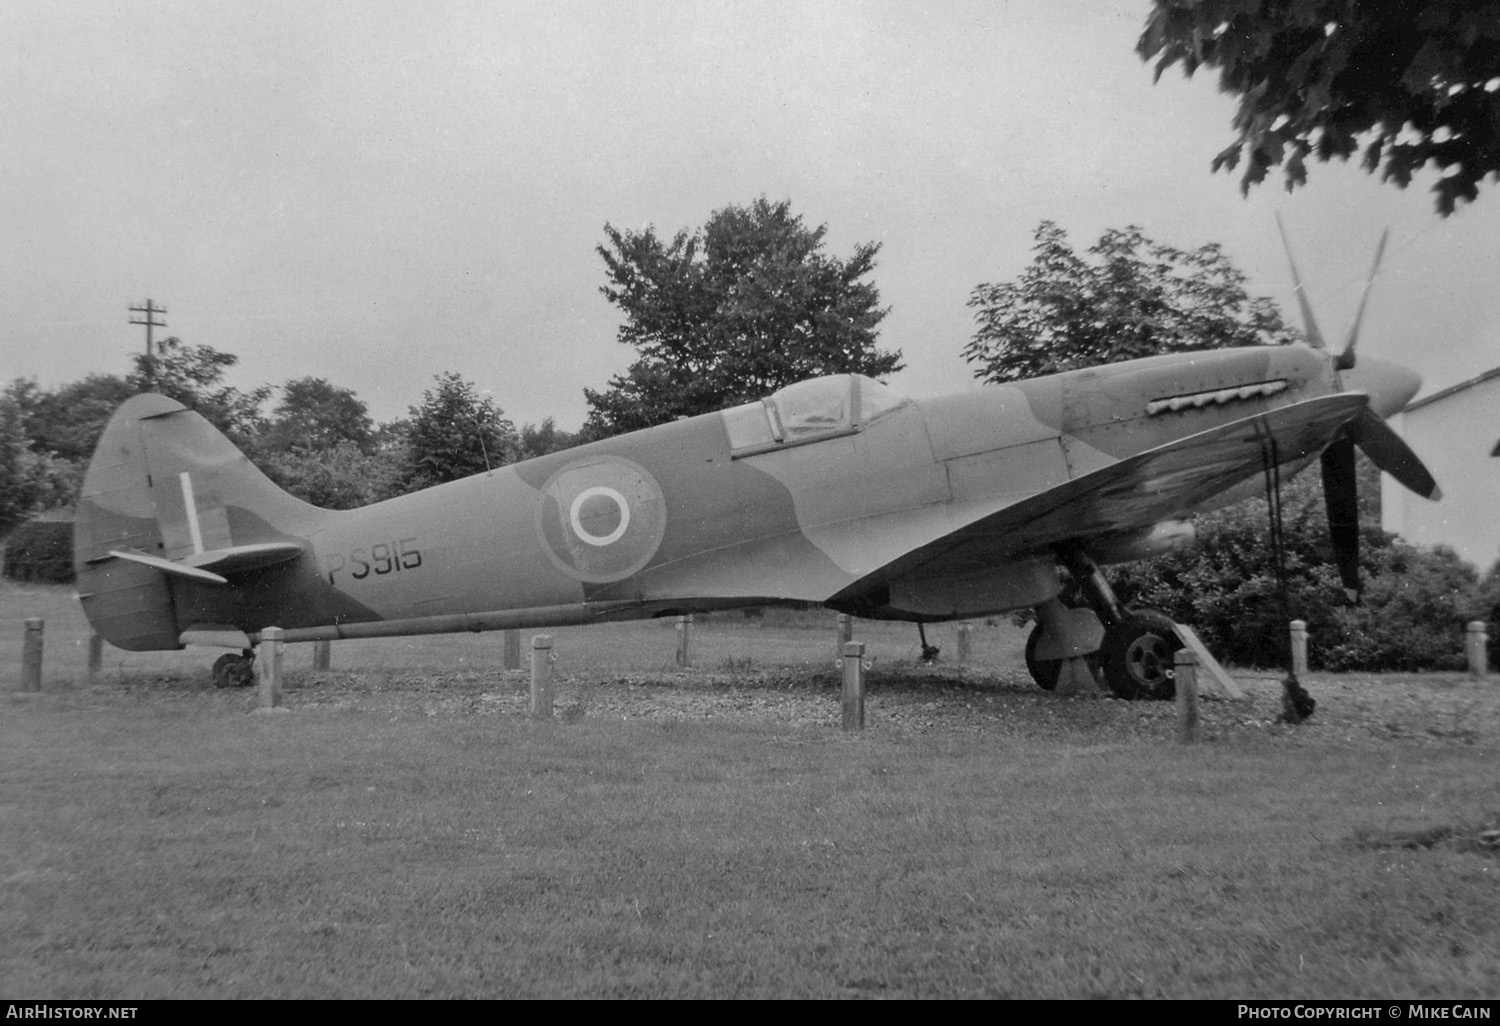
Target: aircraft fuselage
[802, 498]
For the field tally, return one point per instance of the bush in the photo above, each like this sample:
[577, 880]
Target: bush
[1413, 608]
[1225, 586]
[1489, 611]
[42, 551]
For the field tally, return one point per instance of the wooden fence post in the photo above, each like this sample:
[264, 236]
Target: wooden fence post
[854, 685]
[96, 657]
[685, 640]
[268, 667]
[1476, 642]
[31, 656]
[511, 658]
[964, 636]
[1185, 671]
[541, 677]
[322, 655]
[1299, 648]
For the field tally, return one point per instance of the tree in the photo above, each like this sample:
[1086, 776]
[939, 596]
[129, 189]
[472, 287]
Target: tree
[316, 415]
[33, 478]
[1135, 298]
[319, 444]
[454, 433]
[539, 440]
[68, 420]
[17, 493]
[194, 376]
[1411, 83]
[731, 312]
[340, 476]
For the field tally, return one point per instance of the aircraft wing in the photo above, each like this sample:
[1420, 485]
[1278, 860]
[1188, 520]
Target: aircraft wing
[1139, 491]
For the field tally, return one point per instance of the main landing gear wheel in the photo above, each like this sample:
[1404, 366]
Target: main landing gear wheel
[1046, 671]
[1138, 655]
[1043, 671]
[234, 671]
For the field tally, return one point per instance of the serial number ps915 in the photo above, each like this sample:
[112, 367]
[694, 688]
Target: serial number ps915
[379, 559]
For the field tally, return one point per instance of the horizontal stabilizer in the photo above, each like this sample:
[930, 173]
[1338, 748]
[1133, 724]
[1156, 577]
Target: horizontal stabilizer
[238, 558]
[212, 565]
[166, 566]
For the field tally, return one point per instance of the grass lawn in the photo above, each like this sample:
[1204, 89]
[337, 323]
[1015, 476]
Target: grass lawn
[405, 831]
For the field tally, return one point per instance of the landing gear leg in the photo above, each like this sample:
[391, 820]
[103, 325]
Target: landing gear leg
[1096, 589]
[235, 671]
[1140, 645]
[929, 652]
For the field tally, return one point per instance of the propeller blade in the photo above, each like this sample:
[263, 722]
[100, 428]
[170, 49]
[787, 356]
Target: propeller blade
[1309, 322]
[1345, 359]
[1391, 454]
[1342, 498]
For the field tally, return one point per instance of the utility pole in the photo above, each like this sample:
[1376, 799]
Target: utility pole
[150, 310]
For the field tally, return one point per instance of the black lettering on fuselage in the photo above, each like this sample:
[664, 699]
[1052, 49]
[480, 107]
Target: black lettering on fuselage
[379, 559]
[409, 558]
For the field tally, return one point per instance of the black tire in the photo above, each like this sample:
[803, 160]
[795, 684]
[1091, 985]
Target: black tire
[1138, 656]
[234, 671]
[1044, 671]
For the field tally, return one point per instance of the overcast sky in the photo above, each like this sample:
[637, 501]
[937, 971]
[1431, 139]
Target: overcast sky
[378, 192]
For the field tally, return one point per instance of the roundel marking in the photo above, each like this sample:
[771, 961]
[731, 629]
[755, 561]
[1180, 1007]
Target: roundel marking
[601, 519]
[622, 516]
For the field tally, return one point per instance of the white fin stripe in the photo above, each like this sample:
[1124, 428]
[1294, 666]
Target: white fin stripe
[191, 506]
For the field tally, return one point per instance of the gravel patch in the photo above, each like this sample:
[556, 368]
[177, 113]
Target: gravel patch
[1425, 709]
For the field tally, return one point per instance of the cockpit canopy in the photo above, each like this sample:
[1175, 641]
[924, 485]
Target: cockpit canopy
[839, 404]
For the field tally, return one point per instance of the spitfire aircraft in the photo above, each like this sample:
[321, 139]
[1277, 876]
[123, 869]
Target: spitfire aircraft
[837, 491]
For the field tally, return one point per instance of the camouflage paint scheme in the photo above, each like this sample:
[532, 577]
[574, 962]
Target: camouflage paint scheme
[867, 503]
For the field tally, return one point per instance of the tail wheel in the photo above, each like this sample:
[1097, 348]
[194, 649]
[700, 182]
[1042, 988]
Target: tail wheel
[234, 671]
[1138, 655]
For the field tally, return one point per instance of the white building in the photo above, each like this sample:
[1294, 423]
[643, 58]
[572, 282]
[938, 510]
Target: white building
[1457, 434]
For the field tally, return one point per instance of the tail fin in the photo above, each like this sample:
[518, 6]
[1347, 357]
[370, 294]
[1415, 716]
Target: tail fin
[169, 501]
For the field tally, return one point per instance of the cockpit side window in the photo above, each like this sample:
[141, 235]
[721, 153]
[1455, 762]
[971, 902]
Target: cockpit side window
[815, 407]
[876, 399]
[749, 427]
[808, 411]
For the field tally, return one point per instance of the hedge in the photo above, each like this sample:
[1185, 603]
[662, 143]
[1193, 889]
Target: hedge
[40, 551]
[1411, 615]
